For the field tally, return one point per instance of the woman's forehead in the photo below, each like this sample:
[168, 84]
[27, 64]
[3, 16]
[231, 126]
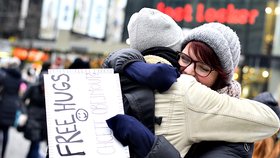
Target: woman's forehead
[189, 50]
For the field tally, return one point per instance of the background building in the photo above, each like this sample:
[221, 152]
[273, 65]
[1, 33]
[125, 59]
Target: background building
[60, 29]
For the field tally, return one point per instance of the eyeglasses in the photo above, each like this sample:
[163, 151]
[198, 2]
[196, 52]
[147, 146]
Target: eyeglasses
[200, 68]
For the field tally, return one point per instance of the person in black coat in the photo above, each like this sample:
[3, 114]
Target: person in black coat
[10, 80]
[36, 127]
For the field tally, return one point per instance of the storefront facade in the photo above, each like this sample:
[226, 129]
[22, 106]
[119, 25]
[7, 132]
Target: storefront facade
[257, 23]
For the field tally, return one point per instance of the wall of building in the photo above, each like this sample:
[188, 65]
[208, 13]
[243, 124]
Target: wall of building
[274, 83]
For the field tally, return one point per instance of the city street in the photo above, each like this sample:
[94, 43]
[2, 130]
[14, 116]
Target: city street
[18, 146]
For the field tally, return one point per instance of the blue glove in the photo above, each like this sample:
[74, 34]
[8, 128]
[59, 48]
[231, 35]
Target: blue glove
[156, 76]
[129, 131]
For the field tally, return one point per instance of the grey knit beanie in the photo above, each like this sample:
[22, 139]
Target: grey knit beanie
[223, 40]
[151, 28]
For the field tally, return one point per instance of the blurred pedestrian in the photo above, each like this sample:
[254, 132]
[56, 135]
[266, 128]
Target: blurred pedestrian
[79, 63]
[36, 128]
[10, 80]
[45, 67]
[269, 147]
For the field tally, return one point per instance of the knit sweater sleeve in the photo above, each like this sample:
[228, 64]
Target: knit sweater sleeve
[214, 116]
[157, 76]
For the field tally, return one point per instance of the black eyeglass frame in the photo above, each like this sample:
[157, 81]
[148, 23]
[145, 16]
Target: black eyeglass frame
[192, 61]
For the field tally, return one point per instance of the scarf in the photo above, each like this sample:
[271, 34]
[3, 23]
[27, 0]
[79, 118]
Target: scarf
[233, 89]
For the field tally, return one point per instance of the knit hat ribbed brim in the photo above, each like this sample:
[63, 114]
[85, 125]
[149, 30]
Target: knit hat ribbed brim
[223, 40]
[152, 28]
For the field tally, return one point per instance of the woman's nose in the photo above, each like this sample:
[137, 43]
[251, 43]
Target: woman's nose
[189, 70]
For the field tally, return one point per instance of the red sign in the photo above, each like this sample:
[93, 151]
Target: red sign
[229, 15]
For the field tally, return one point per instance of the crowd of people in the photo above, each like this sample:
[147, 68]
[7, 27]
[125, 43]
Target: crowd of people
[178, 94]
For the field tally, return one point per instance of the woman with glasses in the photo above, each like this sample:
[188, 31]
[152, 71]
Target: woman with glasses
[191, 111]
[200, 61]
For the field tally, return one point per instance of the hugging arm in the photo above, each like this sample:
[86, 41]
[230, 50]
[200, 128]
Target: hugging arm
[225, 118]
[157, 76]
[131, 63]
[142, 142]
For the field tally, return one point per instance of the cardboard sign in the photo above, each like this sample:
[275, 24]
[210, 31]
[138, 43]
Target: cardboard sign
[78, 102]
